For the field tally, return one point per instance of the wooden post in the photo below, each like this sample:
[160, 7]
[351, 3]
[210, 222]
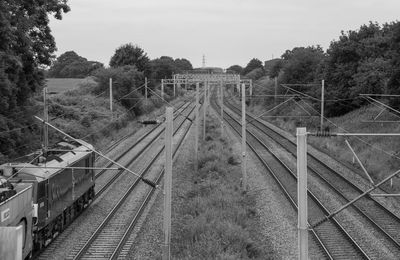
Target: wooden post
[145, 89]
[168, 183]
[46, 119]
[197, 122]
[111, 96]
[222, 108]
[204, 111]
[302, 193]
[162, 88]
[244, 172]
[322, 104]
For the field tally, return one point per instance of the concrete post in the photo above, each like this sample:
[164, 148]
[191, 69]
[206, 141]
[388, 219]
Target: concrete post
[197, 122]
[46, 119]
[322, 104]
[302, 193]
[111, 96]
[244, 170]
[162, 88]
[168, 183]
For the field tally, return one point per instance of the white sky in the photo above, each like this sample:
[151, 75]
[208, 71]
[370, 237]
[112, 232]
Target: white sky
[228, 32]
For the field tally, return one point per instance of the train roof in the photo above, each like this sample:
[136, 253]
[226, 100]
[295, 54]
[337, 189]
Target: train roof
[71, 153]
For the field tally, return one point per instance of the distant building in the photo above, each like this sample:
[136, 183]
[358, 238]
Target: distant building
[208, 70]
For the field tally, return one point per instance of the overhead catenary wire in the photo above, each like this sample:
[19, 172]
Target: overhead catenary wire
[356, 137]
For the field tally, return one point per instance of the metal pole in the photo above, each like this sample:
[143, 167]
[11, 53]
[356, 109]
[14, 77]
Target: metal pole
[174, 86]
[46, 119]
[197, 122]
[145, 89]
[251, 88]
[204, 111]
[302, 193]
[222, 109]
[322, 104]
[244, 173]
[111, 96]
[168, 183]
[276, 89]
[162, 88]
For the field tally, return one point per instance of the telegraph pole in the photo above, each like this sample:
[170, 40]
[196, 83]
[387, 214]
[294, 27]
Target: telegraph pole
[322, 104]
[168, 183]
[244, 173]
[302, 193]
[46, 119]
[197, 122]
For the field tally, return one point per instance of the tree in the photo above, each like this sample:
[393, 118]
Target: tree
[163, 67]
[26, 46]
[253, 64]
[183, 65]
[71, 65]
[235, 69]
[133, 55]
[300, 64]
[125, 80]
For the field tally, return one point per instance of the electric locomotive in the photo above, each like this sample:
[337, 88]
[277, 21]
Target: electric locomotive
[61, 184]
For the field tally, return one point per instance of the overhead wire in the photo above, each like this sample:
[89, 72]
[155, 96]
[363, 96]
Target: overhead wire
[356, 137]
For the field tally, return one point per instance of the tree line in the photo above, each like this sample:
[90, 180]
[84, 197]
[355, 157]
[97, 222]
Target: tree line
[27, 57]
[366, 61]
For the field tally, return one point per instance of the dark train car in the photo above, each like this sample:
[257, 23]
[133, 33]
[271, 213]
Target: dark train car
[60, 190]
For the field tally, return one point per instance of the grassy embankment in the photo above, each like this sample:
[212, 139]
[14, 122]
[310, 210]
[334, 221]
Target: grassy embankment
[83, 114]
[216, 220]
[380, 155]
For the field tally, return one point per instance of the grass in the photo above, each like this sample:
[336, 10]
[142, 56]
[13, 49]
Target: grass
[57, 85]
[218, 217]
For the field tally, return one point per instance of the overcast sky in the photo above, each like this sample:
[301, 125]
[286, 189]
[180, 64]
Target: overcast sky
[228, 32]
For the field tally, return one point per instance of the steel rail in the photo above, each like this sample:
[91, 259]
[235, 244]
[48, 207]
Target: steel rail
[340, 229]
[394, 220]
[115, 176]
[110, 215]
[112, 146]
[135, 219]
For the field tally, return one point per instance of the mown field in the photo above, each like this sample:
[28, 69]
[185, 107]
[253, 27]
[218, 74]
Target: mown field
[57, 85]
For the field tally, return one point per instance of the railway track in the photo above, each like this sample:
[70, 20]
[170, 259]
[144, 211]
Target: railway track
[383, 223]
[331, 240]
[135, 155]
[108, 239]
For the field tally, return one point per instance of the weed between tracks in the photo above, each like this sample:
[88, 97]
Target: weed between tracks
[218, 218]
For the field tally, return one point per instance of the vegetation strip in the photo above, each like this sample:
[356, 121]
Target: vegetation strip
[216, 219]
